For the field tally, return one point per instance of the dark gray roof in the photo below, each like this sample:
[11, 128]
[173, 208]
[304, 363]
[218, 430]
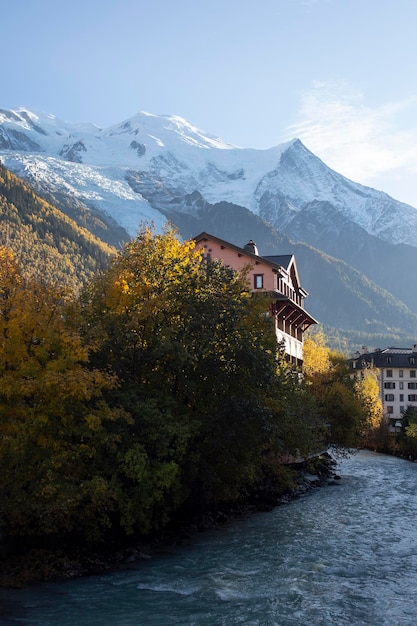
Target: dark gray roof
[283, 260]
[388, 357]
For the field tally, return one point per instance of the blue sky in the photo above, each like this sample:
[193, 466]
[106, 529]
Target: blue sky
[338, 74]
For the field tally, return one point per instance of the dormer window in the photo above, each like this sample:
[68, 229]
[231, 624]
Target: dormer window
[258, 281]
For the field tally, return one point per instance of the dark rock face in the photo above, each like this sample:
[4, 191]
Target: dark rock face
[139, 147]
[73, 152]
[12, 139]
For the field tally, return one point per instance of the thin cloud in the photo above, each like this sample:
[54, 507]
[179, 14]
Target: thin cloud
[361, 142]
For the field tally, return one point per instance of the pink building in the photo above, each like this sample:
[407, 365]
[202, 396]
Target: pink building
[277, 277]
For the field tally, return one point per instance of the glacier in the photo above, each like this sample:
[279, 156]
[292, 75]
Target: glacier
[135, 170]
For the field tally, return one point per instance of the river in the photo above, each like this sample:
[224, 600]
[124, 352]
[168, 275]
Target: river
[340, 555]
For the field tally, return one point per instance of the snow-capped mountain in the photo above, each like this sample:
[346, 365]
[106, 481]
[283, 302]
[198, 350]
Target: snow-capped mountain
[153, 168]
[138, 169]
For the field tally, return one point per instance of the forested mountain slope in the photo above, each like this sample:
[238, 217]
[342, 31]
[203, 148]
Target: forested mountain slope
[352, 309]
[48, 242]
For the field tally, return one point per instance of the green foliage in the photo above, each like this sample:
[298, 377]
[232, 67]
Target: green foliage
[348, 341]
[406, 439]
[159, 391]
[186, 339]
[197, 361]
[410, 421]
[402, 442]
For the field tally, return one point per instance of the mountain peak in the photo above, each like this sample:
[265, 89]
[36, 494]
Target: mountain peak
[122, 163]
[153, 168]
[168, 130]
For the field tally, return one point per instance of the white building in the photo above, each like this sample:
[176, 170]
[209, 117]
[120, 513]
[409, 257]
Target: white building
[397, 375]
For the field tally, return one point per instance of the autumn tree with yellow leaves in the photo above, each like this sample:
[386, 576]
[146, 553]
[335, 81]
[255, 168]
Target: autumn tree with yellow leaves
[195, 356]
[52, 414]
[158, 393]
[351, 406]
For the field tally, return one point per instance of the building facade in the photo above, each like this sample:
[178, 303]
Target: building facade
[274, 276]
[397, 376]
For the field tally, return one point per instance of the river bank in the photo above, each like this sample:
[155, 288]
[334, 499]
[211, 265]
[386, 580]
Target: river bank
[340, 555]
[74, 561]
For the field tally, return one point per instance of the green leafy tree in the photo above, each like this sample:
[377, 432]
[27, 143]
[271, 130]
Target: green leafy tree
[159, 392]
[196, 357]
[410, 421]
[405, 441]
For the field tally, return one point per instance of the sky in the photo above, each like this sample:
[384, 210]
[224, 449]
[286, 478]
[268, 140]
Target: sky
[338, 74]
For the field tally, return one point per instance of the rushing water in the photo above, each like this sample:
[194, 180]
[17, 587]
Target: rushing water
[341, 555]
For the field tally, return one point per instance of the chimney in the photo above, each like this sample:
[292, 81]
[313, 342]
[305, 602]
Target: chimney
[251, 247]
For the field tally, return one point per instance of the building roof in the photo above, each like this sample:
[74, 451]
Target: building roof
[388, 357]
[282, 264]
[282, 261]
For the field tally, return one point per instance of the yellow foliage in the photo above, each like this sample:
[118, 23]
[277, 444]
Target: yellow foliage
[42, 360]
[147, 268]
[316, 354]
[367, 387]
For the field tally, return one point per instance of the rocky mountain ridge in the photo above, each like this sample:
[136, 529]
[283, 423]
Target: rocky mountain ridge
[157, 168]
[169, 154]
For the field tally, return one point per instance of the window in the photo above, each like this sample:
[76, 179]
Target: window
[390, 409]
[412, 360]
[389, 373]
[412, 397]
[401, 397]
[389, 360]
[258, 281]
[412, 385]
[402, 409]
[401, 373]
[412, 373]
[389, 385]
[389, 397]
[401, 384]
